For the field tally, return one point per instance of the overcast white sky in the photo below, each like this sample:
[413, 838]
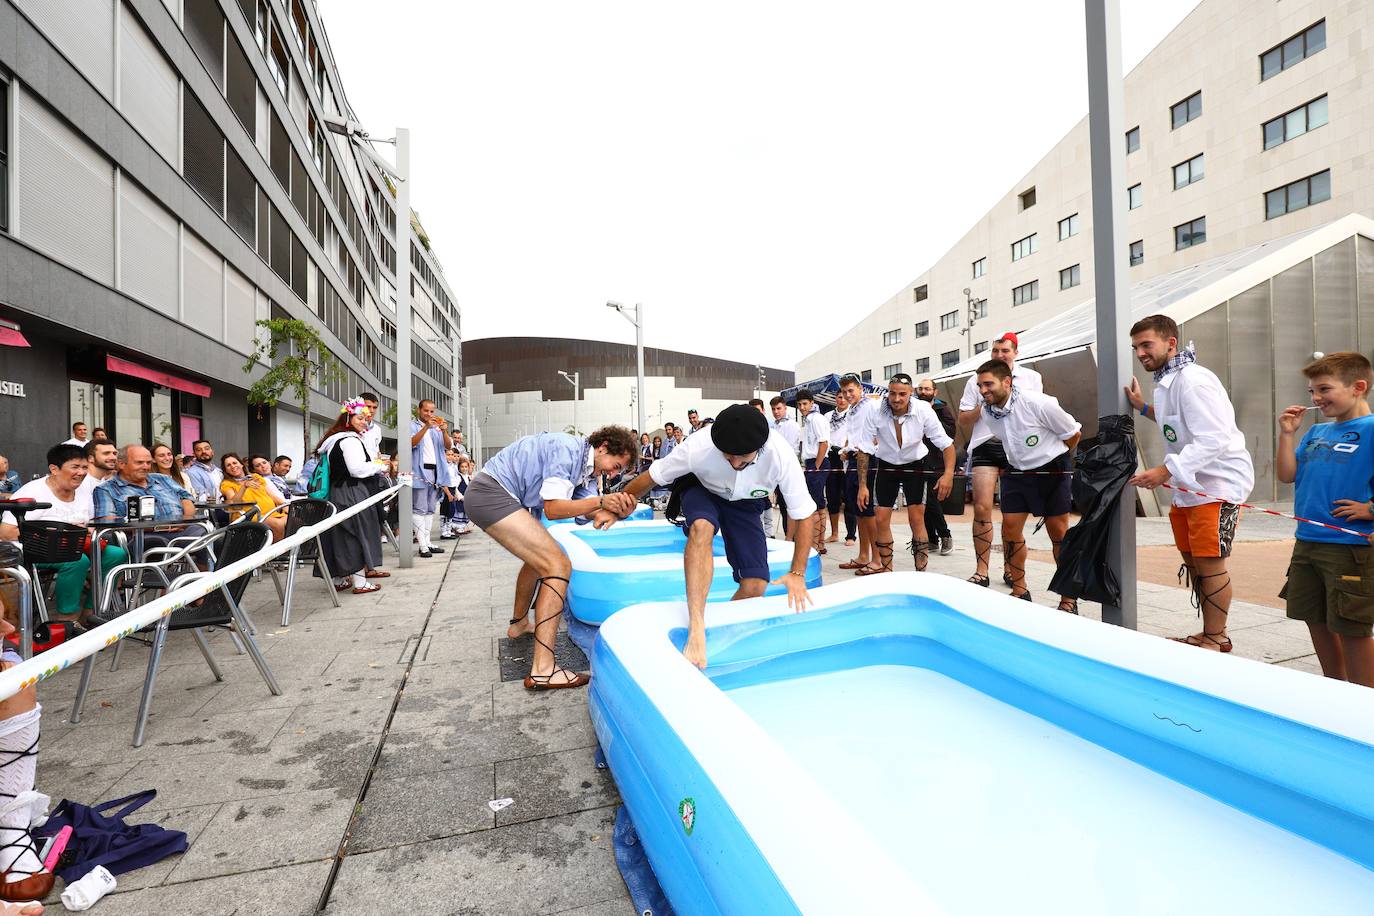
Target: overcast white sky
[758, 174]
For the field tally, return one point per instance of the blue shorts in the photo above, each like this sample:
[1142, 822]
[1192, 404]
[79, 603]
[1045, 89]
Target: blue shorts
[738, 523]
[851, 489]
[424, 496]
[815, 480]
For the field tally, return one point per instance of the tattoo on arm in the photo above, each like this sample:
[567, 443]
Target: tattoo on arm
[863, 467]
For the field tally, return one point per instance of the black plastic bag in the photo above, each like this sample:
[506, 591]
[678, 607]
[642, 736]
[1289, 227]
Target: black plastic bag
[1105, 463]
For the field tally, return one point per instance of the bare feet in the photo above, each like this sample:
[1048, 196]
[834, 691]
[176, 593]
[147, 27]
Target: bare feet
[516, 630]
[20, 909]
[1214, 642]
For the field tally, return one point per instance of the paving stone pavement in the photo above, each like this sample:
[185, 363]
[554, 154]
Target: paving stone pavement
[393, 731]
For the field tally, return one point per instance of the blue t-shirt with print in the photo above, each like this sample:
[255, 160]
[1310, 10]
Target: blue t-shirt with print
[1335, 461]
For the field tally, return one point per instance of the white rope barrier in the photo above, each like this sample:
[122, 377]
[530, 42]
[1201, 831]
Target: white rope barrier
[62, 656]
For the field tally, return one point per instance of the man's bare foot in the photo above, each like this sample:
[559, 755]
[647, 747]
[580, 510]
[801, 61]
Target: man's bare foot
[20, 909]
[1214, 642]
[557, 679]
[832, 539]
[515, 631]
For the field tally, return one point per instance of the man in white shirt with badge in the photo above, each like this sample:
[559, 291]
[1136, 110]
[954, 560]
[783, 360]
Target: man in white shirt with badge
[1039, 437]
[892, 434]
[1204, 450]
[727, 475]
[852, 444]
[986, 454]
[786, 427]
[815, 458]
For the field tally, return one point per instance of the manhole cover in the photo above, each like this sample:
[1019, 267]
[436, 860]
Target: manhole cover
[516, 654]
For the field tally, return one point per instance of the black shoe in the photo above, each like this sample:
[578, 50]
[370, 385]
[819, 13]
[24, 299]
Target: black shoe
[1025, 596]
[1008, 580]
[425, 553]
[433, 549]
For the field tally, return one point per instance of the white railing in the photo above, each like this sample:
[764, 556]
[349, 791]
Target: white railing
[62, 656]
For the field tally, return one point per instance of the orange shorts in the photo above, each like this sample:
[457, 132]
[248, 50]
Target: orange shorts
[1207, 530]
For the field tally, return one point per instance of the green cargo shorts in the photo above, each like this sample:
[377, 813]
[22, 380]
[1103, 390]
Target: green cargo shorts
[1332, 585]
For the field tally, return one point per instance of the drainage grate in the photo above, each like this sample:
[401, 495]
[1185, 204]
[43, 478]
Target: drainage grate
[515, 656]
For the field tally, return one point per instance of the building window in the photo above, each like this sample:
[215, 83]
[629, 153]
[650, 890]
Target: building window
[1185, 173]
[923, 365]
[1137, 253]
[202, 153]
[892, 337]
[1187, 110]
[1027, 292]
[1132, 140]
[949, 320]
[980, 347]
[278, 64]
[1190, 234]
[1027, 198]
[1296, 49]
[1302, 193]
[923, 329]
[891, 370]
[1068, 227]
[1070, 277]
[980, 267]
[920, 294]
[949, 358]
[980, 308]
[1025, 247]
[1134, 197]
[4, 156]
[866, 375]
[1295, 123]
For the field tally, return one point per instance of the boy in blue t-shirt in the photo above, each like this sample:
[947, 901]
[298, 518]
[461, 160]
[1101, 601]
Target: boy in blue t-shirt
[1331, 578]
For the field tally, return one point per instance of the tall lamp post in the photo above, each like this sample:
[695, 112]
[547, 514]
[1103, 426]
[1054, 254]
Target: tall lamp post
[575, 380]
[638, 322]
[400, 172]
[972, 319]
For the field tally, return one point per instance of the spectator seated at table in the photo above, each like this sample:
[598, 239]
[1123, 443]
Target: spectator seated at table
[71, 504]
[135, 478]
[9, 480]
[240, 486]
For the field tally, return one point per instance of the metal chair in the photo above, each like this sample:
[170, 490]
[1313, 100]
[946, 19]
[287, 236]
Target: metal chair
[299, 514]
[220, 608]
[47, 542]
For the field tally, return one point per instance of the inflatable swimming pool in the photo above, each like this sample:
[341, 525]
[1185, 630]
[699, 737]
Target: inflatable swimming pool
[642, 513]
[917, 744]
[631, 562]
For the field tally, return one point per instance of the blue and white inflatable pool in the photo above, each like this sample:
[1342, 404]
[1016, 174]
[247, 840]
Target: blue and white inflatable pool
[917, 744]
[642, 513]
[632, 562]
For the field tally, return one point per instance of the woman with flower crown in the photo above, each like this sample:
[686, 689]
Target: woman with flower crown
[354, 544]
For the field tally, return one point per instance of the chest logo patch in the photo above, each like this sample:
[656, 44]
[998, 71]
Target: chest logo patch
[1032, 441]
[758, 492]
[1170, 433]
[687, 813]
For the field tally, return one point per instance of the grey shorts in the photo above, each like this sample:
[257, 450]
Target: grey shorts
[488, 502]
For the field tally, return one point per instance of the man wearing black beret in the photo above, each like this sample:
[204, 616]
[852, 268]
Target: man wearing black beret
[727, 476]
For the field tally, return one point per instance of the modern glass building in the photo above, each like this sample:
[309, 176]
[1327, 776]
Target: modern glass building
[166, 180]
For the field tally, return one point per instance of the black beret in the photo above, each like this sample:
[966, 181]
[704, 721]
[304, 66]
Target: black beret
[739, 430]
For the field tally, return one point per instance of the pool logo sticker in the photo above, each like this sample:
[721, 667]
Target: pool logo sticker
[1032, 441]
[1170, 433]
[758, 492]
[687, 813]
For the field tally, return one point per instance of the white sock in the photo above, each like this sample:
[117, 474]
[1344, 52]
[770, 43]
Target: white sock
[20, 805]
[359, 580]
[421, 529]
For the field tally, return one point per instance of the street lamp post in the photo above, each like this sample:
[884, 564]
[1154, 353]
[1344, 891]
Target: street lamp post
[400, 172]
[638, 322]
[972, 319]
[575, 380]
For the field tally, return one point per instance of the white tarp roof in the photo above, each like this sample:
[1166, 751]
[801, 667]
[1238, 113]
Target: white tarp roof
[1181, 294]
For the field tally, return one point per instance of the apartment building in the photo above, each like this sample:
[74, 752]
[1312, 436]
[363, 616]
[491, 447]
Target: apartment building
[166, 181]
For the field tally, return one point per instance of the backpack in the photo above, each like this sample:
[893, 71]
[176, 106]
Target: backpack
[319, 478]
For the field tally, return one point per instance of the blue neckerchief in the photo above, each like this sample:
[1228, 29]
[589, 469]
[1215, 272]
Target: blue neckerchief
[1001, 413]
[1186, 356]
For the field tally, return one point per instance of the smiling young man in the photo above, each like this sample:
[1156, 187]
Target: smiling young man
[1205, 451]
[853, 443]
[894, 436]
[727, 474]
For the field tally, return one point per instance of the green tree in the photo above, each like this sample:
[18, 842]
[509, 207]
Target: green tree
[297, 359]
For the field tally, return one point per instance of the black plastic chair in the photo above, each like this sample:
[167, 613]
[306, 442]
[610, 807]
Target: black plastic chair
[46, 542]
[301, 513]
[220, 608]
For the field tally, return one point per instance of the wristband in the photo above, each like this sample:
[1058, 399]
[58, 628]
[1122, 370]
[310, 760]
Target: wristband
[793, 572]
[1145, 411]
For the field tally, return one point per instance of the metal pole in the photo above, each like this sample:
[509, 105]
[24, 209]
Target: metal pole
[1106, 140]
[404, 528]
[639, 360]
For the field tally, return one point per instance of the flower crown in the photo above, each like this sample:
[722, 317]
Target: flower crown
[354, 406]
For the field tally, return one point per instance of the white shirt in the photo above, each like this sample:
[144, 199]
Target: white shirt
[559, 488]
[75, 441]
[1022, 379]
[1203, 448]
[919, 422]
[89, 484]
[815, 430]
[427, 450]
[372, 438]
[853, 438]
[355, 456]
[775, 468]
[76, 512]
[1035, 431]
[789, 430]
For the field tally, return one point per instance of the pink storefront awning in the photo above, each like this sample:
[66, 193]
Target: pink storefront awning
[10, 337]
[156, 376]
